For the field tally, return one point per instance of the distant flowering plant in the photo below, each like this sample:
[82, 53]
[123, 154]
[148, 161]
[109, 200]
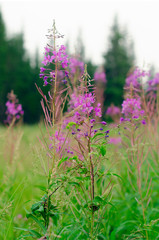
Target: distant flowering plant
[113, 110]
[75, 65]
[100, 76]
[135, 78]
[14, 109]
[131, 109]
[153, 83]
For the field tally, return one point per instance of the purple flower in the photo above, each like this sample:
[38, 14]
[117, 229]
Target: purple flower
[135, 77]
[100, 76]
[131, 107]
[42, 69]
[107, 131]
[143, 122]
[92, 120]
[86, 134]
[64, 81]
[66, 74]
[155, 81]
[41, 75]
[45, 78]
[45, 83]
[121, 119]
[97, 110]
[104, 123]
[52, 74]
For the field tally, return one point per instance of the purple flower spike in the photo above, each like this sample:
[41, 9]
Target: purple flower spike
[104, 123]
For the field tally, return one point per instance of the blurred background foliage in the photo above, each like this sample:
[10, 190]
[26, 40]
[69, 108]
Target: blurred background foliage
[20, 73]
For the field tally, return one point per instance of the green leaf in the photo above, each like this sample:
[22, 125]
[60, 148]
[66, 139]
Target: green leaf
[114, 174]
[36, 206]
[74, 183]
[101, 237]
[44, 198]
[41, 209]
[38, 222]
[103, 150]
[43, 188]
[63, 159]
[97, 135]
[33, 232]
[73, 158]
[98, 199]
[55, 217]
[70, 124]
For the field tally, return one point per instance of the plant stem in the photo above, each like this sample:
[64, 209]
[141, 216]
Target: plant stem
[92, 190]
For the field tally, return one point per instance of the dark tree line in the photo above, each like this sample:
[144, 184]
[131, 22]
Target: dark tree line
[17, 72]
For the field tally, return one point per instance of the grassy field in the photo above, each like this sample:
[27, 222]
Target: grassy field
[18, 178]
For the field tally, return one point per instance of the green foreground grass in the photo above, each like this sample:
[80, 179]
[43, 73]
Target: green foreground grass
[20, 181]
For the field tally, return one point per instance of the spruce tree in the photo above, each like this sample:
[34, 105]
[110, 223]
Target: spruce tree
[118, 60]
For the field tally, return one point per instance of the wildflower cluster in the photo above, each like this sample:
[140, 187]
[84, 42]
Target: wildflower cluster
[14, 109]
[52, 57]
[155, 81]
[83, 106]
[135, 78]
[131, 108]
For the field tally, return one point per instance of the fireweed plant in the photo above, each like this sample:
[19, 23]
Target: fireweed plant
[14, 114]
[78, 190]
[138, 110]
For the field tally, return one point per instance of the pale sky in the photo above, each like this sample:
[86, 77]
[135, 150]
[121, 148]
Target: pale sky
[93, 18]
